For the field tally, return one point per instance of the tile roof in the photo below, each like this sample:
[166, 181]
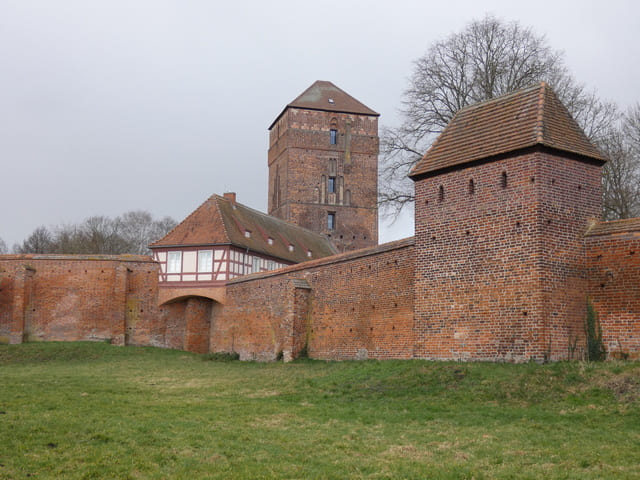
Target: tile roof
[526, 118]
[627, 225]
[325, 96]
[221, 220]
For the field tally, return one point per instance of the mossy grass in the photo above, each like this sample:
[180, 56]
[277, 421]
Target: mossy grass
[93, 410]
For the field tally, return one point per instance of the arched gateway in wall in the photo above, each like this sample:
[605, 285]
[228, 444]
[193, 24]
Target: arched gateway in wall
[186, 321]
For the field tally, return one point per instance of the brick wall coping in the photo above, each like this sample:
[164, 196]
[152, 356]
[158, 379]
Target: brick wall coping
[78, 258]
[340, 258]
[627, 225]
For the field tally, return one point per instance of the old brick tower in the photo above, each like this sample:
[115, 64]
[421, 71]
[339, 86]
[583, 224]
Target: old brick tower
[503, 199]
[323, 166]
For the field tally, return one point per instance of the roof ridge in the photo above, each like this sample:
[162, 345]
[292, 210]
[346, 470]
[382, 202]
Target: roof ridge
[224, 224]
[539, 126]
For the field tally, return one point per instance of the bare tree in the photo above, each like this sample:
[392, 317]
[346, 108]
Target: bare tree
[3, 247]
[487, 59]
[139, 229]
[40, 241]
[621, 174]
[130, 233]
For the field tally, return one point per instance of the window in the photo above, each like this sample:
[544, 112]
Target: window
[441, 193]
[503, 180]
[205, 260]
[331, 220]
[331, 185]
[472, 187]
[247, 234]
[334, 136]
[174, 262]
[255, 264]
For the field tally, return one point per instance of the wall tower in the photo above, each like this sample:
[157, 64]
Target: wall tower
[503, 199]
[323, 166]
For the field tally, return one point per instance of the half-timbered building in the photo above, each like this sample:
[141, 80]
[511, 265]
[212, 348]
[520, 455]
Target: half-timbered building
[223, 239]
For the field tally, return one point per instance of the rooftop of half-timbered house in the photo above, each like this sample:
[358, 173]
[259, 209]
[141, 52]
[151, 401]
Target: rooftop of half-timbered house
[220, 220]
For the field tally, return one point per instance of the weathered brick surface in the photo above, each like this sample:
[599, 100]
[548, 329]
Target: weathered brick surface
[54, 297]
[614, 289]
[499, 272]
[354, 305]
[301, 159]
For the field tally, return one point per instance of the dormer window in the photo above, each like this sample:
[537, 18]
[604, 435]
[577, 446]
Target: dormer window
[291, 248]
[270, 241]
[247, 234]
[309, 254]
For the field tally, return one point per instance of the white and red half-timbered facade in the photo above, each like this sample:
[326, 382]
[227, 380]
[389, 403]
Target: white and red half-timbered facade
[223, 239]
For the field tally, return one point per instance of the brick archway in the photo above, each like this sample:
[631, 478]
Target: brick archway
[187, 321]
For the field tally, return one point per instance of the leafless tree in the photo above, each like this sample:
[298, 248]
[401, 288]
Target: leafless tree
[3, 247]
[487, 59]
[40, 241]
[621, 174]
[130, 233]
[139, 229]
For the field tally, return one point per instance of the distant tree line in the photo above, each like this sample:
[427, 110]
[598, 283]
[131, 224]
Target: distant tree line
[129, 233]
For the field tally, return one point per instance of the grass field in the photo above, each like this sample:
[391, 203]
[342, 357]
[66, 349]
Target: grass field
[92, 410]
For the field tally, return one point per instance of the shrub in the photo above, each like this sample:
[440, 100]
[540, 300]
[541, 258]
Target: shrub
[595, 347]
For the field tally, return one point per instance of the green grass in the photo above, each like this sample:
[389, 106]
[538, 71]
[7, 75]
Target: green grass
[92, 410]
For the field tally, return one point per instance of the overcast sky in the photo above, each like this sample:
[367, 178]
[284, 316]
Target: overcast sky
[117, 105]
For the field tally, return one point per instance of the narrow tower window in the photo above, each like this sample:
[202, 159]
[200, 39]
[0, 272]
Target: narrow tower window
[472, 187]
[503, 180]
[331, 220]
[334, 136]
[441, 193]
[331, 185]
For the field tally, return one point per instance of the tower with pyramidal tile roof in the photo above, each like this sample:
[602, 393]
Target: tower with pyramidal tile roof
[323, 166]
[503, 199]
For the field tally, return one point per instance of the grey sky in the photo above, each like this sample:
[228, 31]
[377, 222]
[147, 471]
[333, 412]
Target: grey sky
[110, 106]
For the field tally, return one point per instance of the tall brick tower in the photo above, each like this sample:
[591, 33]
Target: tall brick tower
[503, 199]
[323, 166]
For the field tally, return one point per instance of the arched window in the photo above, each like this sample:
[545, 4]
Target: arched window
[441, 193]
[503, 180]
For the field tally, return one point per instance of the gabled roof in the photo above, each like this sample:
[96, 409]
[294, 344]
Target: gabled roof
[221, 220]
[522, 119]
[325, 96]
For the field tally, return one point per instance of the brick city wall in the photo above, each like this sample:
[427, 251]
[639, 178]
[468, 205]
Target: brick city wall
[613, 261]
[355, 305]
[77, 297]
[499, 258]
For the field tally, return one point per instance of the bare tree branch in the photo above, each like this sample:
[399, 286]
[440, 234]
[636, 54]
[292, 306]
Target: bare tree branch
[487, 59]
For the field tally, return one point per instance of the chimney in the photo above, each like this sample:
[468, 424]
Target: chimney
[231, 196]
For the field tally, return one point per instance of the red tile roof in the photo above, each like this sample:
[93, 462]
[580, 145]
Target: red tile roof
[221, 220]
[325, 96]
[522, 119]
